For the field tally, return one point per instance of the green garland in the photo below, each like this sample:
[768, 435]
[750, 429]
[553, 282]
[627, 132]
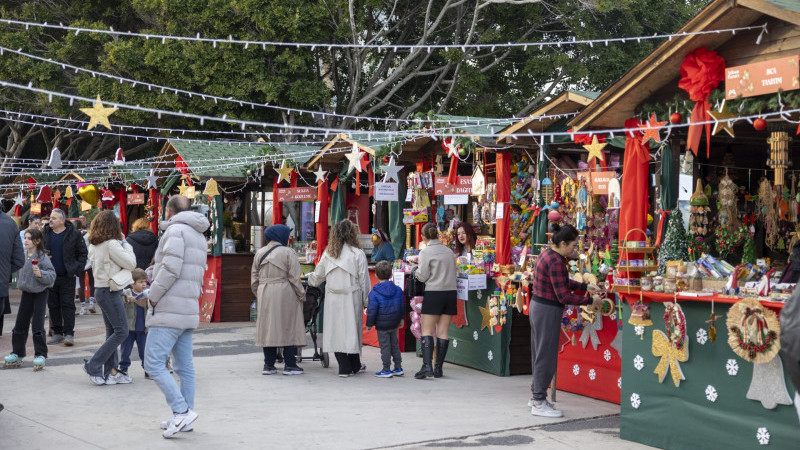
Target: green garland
[749, 106]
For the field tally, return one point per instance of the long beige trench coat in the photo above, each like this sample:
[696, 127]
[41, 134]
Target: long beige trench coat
[276, 284]
[346, 293]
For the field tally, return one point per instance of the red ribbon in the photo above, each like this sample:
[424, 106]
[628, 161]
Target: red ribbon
[452, 174]
[701, 71]
[585, 138]
[661, 221]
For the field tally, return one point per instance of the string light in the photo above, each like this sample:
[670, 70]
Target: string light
[393, 47]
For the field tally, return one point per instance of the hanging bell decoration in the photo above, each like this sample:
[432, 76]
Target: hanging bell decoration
[779, 154]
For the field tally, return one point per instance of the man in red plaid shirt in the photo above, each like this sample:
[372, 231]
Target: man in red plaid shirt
[551, 290]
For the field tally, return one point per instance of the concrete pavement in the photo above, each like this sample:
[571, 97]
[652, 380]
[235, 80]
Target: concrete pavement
[240, 408]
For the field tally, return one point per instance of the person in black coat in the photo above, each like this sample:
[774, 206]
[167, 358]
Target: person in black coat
[143, 241]
[12, 258]
[68, 253]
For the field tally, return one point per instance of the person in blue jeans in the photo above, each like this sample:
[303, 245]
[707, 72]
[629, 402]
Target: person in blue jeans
[136, 309]
[385, 312]
[180, 263]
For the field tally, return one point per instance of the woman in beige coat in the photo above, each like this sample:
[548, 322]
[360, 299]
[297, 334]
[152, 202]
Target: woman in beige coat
[275, 280]
[344, 267]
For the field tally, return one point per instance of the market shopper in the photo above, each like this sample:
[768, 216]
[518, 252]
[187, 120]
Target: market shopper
[343, 269]
[275, 281]
[437, 269]
[68, 254]
[143, 241]
[382, 249]
[465, 239]
[551, 290]
[33, 221]
[385, 312]
[12, 258]
[109, 255]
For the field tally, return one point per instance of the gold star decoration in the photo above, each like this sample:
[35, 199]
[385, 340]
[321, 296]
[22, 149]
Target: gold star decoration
[486, 317]
[182, 188]
[98, 114]
[722, 119]
[595, 150]
[651, 128]
[284, 173]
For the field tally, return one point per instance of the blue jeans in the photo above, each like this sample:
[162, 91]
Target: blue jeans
[138, 337]
[161, 341]
[289, 356]
[105, 358]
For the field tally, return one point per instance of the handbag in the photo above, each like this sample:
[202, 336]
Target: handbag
[120, 280]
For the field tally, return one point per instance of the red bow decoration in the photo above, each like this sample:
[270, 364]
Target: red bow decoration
[701, 71]
[452, 151]
[585, 138]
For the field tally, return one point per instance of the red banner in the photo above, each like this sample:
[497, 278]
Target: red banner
[766, 77]
[297, 194]
[209, 295]
[440, 186]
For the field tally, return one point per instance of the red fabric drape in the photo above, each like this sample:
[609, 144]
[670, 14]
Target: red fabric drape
[122, 195]
[277, 207]
[635, 167]
[371, 180]
[322, 224]
[503, 167]
[701, 72]
[155, 201]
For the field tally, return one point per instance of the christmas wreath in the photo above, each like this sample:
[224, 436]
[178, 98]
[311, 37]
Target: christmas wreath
[753, 331]
[675, 325]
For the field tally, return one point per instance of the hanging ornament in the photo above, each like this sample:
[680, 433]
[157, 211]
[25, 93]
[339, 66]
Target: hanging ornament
[391, 171]
[320, 174]
[701, 71]
[650, 129]
[98, 114]
[355, 159]
[760, 124]
[212, 188]
[284, 173]
[68, 192]
[723, 120]
[675, 118]
[672, 347]
[88, 193]
[596, 152]
[45, 195]
[119, 157]
[452, 151]
[151, 180]
[55, 159]
[779, 154]
[107, 198]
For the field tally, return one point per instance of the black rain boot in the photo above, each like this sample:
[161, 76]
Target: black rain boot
[441, 352]
[427, 355]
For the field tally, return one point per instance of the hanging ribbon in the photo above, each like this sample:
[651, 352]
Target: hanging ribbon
[662, 220]
[452, 150]
[701, 71]
[590, 331]
[670, 358]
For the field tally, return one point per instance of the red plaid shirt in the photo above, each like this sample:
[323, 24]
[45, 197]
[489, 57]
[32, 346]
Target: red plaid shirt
[551, 281]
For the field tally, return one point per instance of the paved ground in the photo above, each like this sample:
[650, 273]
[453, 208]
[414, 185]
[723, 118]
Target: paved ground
[240, 408]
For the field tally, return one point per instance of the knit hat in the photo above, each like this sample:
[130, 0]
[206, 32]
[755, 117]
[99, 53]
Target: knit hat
[279, 233]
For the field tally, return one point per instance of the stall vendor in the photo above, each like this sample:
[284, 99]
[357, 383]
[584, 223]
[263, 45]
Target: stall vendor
[382, 246]
[465, 239]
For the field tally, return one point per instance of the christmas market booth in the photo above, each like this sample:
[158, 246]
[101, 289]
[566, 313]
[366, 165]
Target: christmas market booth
[232, 183]
[703, 286]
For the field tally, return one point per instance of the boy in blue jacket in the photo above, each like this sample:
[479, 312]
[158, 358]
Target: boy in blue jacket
[385, 312]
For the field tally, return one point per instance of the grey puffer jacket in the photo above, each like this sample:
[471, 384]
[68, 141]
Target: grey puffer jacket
[28, 282]
[180, 263]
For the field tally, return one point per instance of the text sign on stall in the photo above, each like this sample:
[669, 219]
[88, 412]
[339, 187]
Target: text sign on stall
[462, 288]
[385, 192]
[463, 186]
[766, 77]
[136, 199]
[298, 194]
[599, 181]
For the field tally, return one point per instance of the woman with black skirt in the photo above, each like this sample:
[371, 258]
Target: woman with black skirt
[437, 269]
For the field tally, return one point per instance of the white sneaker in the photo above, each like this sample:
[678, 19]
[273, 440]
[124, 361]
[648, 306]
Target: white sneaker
[178, 422]
[186, 429]
[544, 408]
[122, 378]
[111, 380]
[530, 403]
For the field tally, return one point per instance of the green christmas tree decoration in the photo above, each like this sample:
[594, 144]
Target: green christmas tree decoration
[596, 265]
[675, 245]
[607, 257]
[749, 251]
[614, 252]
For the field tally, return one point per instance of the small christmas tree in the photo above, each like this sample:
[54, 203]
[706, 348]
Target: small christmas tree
[675, 245]
[749, 251]
[614, 251]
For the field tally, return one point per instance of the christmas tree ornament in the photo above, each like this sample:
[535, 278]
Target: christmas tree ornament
[45, 195]
[391, 171]
[779, 154]
[284, 173]
[723, 119]
[672, 347]
[119, 157]
[68, 192]
[760, 124]
[596, 152]
[354, 158]
[212, 188]
[55, 159]
[321, 174]
[675, 118]
[98, 114]
[107, 198]
[151, 180]
[650, 129]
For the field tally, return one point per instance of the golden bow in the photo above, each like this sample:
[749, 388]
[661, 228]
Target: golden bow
[670, 357]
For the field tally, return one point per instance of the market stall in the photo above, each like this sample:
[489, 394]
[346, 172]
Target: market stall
[706, 315]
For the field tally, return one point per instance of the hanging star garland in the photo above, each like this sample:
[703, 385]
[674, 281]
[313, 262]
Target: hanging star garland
[98, 114]
[355, 159]
[722, 120]
[284, 173]
[595, 150]
[151, 180]
[320, 174]
[650, 129]
[391, 170]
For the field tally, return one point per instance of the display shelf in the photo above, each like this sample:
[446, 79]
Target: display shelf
[637, 268]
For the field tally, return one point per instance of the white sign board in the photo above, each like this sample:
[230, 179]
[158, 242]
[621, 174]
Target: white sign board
[462, 288]
[456, 199]
[499, 211]
[477, 282]
[386, 192]
[316, 212]
[408, 194]
[399, 279]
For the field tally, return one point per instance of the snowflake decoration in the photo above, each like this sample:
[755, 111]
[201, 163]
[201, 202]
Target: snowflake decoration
[639, 330]
[455, 343]
[592, 374]
[619, 382]
[636, 401]
[475, 335]
[763, 436]
[576, 369]
[479, 295]
[570, 311]
[732, 367]
[607, 355]
[711, 393]
[702, 336]
[490, 355]
[638, 362]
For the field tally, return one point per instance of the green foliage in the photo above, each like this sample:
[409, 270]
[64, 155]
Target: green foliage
[749, 251]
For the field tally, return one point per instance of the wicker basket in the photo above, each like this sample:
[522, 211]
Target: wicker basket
[714, 284]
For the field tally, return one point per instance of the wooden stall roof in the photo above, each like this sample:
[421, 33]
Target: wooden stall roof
[481, 129]
[211, 151]
[660, 70]
[567, 102]
[331, 160]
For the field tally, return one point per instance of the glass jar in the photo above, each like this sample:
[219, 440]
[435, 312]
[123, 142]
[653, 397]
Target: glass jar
[670, 285]
[658, 284]
[647, 283]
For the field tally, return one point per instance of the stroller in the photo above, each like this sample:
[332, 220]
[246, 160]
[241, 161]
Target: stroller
[312, 317]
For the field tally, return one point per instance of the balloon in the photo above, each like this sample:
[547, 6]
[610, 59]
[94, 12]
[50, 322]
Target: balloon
[416, 330]
[88, 194]
[554, 216]
[414, 316]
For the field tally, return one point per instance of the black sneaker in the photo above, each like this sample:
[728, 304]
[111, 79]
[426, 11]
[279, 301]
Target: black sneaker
[269, 370]
[147, 376]
[292, 371]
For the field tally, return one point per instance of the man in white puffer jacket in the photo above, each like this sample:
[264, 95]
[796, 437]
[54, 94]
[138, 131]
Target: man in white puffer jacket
[180, 263]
